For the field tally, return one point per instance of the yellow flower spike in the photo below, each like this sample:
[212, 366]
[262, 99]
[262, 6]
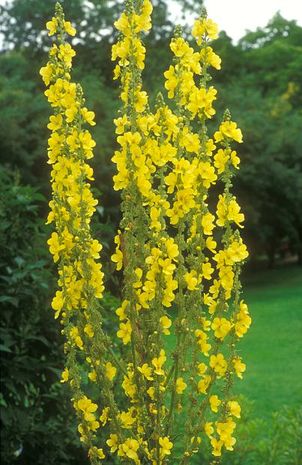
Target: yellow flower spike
[174, 252]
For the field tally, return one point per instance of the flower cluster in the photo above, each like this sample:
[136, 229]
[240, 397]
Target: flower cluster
[178, 248]
[76, 252]
[184, 275]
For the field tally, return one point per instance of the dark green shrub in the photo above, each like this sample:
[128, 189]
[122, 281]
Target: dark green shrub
[37, 422]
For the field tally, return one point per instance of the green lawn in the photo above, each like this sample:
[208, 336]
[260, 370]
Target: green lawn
[272, 349]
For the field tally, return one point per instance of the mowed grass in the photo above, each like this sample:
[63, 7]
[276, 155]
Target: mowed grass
[272, 349]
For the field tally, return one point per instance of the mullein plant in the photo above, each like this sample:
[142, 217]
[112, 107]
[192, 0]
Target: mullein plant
[168, 392]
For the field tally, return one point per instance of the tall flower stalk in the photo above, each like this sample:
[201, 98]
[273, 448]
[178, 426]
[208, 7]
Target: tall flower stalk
[169, 388]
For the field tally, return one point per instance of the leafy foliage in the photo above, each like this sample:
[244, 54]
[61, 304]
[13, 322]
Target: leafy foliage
[34, 406]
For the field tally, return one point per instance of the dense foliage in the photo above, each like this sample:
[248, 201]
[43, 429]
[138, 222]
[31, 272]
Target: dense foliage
[261, 78]
[34, 408]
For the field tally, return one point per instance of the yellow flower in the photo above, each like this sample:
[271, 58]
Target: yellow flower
[104, 417]
[54, 246]
[208, 429]
[234, 408]
[239, 366]
[52, 26]
[47, 73]
[87, 407]
[191, 280]
[171, 81]
[179, 47]
[125, 331]
[66, 53]
[211, 244]
[158, 362]
[217, 446]
[129, 449]
[243, 320]
[210, 58]
[69, 29]
[112, 442]
[221, 158]
[89, 330]
[236, 252]
[204, 384]
[121, 311]
[87, 143]
[180, 385]
[94, 452]
[92, 376]
[228, 130]
[58, 303]
[146, 371]
[207, 223]
[165, 324]
[219, 364]
[221, 327]
[214, 403]
[225, 430]
[204, 27]
[202, 368]
[141, 101]
[203, 341]
[120, 124]
[165, 446]
[110, 371]
[127, 418]
[88, 116]
[151, 392]
[74, 335]
[118, 256]
[65, 375]
[172, 248]
[207, 270]
[228, 210]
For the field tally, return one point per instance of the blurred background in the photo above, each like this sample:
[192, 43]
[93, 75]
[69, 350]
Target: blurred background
[261, 82]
